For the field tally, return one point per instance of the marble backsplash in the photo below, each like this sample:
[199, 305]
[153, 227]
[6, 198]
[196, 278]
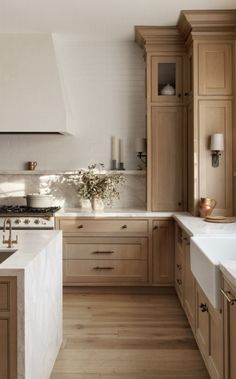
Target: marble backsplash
[14, 188]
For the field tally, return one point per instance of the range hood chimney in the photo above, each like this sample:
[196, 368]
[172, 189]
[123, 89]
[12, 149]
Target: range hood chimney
[31, 92]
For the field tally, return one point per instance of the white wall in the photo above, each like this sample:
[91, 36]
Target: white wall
[104, 86]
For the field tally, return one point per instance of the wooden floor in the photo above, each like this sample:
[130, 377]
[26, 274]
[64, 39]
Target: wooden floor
[113, 336]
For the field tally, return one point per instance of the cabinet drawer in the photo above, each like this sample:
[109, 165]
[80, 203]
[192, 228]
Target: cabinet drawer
[105, 248]
[124, 227]
[4, 296]
[105, 271]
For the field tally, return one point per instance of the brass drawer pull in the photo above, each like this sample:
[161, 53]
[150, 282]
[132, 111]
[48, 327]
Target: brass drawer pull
[227, 294]
[179, 282]
[103, 252]
[203, 307]
[179, 266]
[103, 268]
[155, 227]
[124, 227]
[80, 226]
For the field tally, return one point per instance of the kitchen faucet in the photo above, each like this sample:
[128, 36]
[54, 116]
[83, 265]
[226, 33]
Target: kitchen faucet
[9, 242]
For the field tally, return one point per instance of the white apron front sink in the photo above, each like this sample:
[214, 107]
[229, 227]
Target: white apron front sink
[206, 255]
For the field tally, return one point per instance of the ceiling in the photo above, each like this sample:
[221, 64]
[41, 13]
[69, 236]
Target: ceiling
[96, 19]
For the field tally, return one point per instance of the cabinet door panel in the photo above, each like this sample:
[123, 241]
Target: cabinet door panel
[167, 158]
[163, 252]
[4, 346]
[215, 69]
[230, 333]
[202, 324]
[189, 287]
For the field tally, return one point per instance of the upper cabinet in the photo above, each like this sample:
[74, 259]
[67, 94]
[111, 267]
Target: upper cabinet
[31, 92]
[215, 68]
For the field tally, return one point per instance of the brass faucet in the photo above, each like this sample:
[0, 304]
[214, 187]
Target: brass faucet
[9, 242]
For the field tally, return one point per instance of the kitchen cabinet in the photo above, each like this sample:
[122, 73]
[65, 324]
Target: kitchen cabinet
[105, 251]
[105, 260]
[184, 279]
[229, 330]
[212, 62]
[8, 328]
[163, 252]
[167, 158]
[166, 118]
[209, 334]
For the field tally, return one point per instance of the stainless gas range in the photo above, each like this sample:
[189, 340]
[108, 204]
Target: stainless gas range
[23, 217]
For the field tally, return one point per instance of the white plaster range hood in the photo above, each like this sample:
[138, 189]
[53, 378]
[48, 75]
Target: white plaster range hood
[31, 92]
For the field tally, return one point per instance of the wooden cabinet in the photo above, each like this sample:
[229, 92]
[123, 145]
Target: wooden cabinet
[105, 251]
[8, 328]
[184, 279]
[215, 68]
[166, 121]
[189, 285]
[229, 330]
[105, 260]
[163, 252]
[165, 71]
[167, 159]
[209, 334]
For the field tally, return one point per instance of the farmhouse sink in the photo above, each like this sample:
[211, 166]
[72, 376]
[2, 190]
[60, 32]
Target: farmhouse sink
[206, 255]
[6, 253]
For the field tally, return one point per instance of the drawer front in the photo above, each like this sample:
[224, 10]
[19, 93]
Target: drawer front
[105, 271]
[124, 227]
[4, 296]
[105, 248]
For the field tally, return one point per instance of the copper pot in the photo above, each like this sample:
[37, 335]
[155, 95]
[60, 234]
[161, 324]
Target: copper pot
[206, 206]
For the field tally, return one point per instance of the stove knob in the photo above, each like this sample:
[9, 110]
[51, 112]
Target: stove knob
[27, 221]
[36, 221]
[17, 221]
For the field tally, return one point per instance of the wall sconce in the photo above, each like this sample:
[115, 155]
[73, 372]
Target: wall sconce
[141, 149]
[216, 146]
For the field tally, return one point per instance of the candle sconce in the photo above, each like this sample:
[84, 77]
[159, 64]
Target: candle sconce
[216, 146]
[141, 149]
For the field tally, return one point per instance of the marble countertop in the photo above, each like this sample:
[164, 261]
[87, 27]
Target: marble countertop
[228, 268]
[197, 226]
[114, 213]
[30, 244]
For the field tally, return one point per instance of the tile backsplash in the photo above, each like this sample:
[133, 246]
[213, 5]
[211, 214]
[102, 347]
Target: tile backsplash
[14, 188]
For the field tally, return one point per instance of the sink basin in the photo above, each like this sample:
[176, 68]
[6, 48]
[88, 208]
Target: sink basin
[206, 255]
[6, 253]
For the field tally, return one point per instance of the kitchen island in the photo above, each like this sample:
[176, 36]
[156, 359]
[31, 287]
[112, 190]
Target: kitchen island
[31, 284]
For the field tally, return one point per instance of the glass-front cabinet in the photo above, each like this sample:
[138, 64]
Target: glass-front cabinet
[166, 79]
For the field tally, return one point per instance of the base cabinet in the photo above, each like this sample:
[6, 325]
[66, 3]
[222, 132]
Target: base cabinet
[229, 330]
[209, 334]
[184, 279]
[105, 260]
[8, 328]
[163, 252]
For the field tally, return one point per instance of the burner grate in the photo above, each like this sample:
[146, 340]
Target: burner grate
[21, 209]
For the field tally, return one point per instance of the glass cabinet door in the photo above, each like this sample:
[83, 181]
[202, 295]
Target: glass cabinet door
[166, 79]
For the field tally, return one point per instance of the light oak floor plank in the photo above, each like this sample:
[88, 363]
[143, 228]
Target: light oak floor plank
[128, 336]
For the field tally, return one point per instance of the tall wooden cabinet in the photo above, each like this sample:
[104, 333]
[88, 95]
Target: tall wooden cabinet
[166, 117]
[209, 38]
[197, 59]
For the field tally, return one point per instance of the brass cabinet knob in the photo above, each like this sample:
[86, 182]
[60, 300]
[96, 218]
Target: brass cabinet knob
[155, 227]
[124, 227]
[80, 226]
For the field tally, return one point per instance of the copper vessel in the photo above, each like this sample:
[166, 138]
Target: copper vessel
[206, 206]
